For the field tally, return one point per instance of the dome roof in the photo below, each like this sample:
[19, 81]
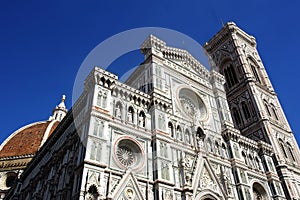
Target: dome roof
[28, 139]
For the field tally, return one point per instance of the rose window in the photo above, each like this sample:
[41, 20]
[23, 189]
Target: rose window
[128, 153]
[125, 156]
[191, 104]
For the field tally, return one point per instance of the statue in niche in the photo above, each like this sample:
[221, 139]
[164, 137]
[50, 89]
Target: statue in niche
[236, 151]
[142, 121]
[187, 137]
[243, 177]
[118, 111]
[168, 195]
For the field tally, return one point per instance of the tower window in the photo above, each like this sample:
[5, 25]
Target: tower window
[255, 74]
[267, 107]
[281, 143]
[230, 76]
[274, 111]
[291, 152]
[246, 110]
[236, 116]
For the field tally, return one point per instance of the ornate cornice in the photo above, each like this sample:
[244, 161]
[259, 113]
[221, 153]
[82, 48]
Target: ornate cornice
[175, 54]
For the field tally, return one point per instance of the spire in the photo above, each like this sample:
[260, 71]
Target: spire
[60, 111]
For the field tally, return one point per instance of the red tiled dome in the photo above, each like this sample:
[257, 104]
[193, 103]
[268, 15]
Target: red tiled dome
[28, 139]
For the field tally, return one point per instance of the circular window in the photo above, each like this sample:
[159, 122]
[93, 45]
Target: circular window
[128, 153]
[191, 104]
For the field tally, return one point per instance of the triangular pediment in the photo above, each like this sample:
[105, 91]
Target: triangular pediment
[188, 68]
[128, 188]
[206, 181]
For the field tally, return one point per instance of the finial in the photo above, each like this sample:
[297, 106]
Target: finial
[63, 98]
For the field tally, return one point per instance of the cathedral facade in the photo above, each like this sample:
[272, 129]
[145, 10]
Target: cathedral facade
[173, 131]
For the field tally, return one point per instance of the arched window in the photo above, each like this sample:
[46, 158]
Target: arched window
[251, 163]
[259, 192]
[217, 148]
[281, 143]
[257, 161]
[187, 136]
[171, 129]
[200, 133]
[246, 110]
[255, 74]
[224, 151]
[274, 111]
[291, 151]
[95, 151]
[142, 119]
[267, 107]
[236, 116]
[130, 114]
[98, 128]
[102, 99]
[230, 76]
[245, 158]
[178, 133]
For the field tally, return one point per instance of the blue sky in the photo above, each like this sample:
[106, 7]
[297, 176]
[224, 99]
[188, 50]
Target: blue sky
[43, 43]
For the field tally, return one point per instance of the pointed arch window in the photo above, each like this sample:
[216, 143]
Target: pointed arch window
[98, 128]
[102, 99]
[246, 110]
[95, 151]
[281, 143]
[236, 116]
[255, 74]
[230, 75]
[142, 119]
[257, 161]
[130, 114]
[267, 107]
[224, 151]
[291, 151]
[245, 158]
[178, 133]
[217, 148]
[171, 129]
[274, 111]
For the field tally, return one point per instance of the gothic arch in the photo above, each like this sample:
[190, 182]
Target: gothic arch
[119, 110]
[259, 192]
[171, 129]
[230, 73]
[207, 195]
[255, 69]
[130, 114]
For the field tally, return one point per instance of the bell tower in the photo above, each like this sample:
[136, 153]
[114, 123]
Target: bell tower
[253, 103]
